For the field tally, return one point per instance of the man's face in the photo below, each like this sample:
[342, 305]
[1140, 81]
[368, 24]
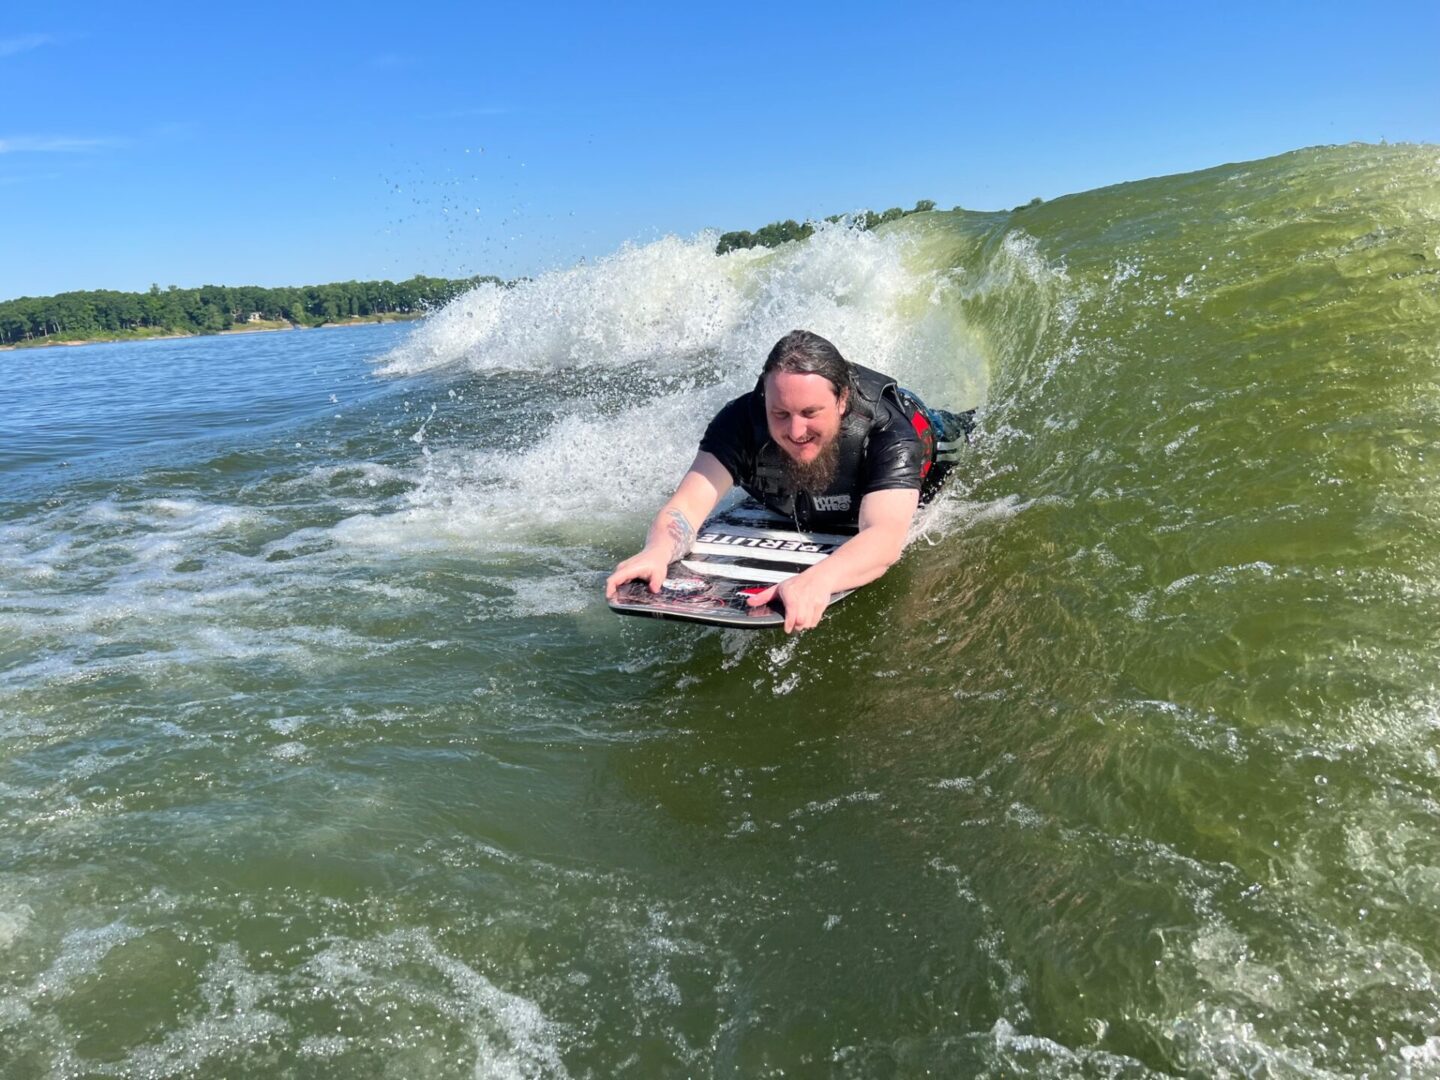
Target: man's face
[803, 413]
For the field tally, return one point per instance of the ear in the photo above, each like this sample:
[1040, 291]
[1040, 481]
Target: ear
[844, 401]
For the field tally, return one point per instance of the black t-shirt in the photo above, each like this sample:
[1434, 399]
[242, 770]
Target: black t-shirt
[879, 451]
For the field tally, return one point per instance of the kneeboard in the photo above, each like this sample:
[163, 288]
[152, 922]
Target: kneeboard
[738, 552]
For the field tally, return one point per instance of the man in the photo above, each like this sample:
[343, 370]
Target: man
[828, 443]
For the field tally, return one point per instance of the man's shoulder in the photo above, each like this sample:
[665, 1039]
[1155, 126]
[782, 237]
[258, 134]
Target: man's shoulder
[889, 422]
[731, 436]
[737, 416]
[739, 406]
[894, 452]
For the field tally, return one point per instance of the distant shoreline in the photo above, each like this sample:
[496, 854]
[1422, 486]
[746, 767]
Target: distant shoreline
[260, 328]
[101, 315]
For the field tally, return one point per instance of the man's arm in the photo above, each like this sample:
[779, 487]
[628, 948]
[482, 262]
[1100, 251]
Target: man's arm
[672, 533]
[884, 523]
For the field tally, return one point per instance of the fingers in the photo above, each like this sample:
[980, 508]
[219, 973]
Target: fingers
[623, 573]
[797, 620]
[631, 569]
[803, 611]
[763, 597]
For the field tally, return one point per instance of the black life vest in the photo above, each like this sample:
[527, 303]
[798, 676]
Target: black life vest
[837, 508]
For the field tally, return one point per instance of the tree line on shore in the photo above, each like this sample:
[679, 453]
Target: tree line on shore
[779, 232]
[80, 316]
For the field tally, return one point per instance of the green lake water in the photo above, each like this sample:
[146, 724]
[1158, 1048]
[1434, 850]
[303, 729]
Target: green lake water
[321, 755]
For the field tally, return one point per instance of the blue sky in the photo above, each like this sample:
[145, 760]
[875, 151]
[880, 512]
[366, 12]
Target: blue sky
[285, 144]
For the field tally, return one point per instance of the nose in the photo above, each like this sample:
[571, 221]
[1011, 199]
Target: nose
[797, 428]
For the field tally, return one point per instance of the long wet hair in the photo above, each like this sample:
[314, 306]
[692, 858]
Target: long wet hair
[801, 352]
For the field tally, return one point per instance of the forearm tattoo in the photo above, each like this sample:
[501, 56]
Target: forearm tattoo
[681, 531]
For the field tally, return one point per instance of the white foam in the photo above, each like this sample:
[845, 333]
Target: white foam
[234, 1018]
[952, 513]
[511, 1035]
[657, 304]
[1425, 1054]
[81, 952]
[555, 595]
[350, 475]
[663, 305]
[13, 923]
[824, 806]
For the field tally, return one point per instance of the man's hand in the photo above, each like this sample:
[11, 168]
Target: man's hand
[672, 533]
[804, 600]
[884, 520]
[648, 566]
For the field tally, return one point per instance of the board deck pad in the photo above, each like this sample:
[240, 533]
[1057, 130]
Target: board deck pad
[738, 552]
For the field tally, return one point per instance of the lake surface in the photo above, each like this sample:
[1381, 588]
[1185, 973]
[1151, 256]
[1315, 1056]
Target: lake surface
[321, 755]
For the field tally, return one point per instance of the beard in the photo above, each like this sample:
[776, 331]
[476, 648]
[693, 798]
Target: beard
[816, 475]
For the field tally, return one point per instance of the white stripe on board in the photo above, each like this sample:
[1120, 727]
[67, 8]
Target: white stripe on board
[763, 554]
[736, 573]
